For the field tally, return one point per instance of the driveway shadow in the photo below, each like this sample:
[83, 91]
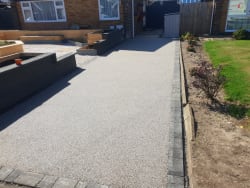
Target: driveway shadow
[26, 106]
[141, 43]
[144, 43]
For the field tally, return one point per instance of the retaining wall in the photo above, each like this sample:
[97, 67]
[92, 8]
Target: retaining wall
[19, 82]
[68, 34]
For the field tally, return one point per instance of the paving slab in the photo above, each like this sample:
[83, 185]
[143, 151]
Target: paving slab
[65, 183]
[4, 172]
[13, 175]
[28, 179]
[81, 184]
[109, 123]
[47, 182]
[93, 185]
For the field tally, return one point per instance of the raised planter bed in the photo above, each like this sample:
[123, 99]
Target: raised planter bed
[101, 41]
[85, 50]
[36, 72]
[9, 49]
[94, 36]
[111, 38]
[42, 39]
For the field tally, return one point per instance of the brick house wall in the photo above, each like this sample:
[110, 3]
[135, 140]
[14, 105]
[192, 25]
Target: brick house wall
[84, 13]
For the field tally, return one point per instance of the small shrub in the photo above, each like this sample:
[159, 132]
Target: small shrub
[237, 111]
[191, 39]
[192, 42]
[241, 34]
[185, 36]
[188, 36]
[208, 79]
[190, 48]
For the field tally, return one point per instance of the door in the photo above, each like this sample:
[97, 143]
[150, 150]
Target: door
[9, 18]
[155, 11]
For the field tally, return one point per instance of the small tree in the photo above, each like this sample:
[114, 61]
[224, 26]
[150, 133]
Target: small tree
[208, 79]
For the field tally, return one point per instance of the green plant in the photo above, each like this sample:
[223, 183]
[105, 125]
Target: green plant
[241, 34]
[237, 111]
[208, 79]
[190, 37]
[5, 42]
[190, 48]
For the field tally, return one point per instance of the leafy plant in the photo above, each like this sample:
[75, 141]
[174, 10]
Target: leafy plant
[241, 34]
[189, 37]
[208, 79]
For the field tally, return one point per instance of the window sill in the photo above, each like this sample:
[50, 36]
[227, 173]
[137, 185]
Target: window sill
[112, 19]
[53, 21]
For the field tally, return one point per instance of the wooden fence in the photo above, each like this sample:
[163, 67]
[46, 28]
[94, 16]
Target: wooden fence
[195, 18]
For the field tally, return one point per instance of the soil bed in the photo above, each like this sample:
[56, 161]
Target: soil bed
[4, 43]
[221, 150]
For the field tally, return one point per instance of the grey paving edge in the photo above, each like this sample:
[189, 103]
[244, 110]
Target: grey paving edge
[176, 171]
[4, 173]
[21, 178]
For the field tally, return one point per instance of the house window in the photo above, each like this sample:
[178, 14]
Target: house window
[44, 11]
[238, 16]
[109, 9]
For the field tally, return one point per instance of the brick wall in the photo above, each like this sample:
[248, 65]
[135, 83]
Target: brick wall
[84, 13]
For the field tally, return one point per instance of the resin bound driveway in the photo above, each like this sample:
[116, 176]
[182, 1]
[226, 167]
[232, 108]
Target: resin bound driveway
[107, 122]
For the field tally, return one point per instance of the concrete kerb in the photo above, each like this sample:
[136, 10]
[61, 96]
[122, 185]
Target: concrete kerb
[183, 81]
[35, 180]
[176, 170]
[188, 120]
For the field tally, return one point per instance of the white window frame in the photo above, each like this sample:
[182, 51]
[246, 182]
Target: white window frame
[29, 8]
[232, 30]
[106, 19]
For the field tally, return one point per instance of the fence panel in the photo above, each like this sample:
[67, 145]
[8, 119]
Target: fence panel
[195, 17]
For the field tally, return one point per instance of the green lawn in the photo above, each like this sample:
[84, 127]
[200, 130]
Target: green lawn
[235, 56]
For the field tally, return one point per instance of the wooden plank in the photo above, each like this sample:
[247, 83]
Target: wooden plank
[41, 38]
[93, 37]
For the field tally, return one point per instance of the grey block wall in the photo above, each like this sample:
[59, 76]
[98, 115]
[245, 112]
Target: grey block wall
[19, 82]
[111, 39]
